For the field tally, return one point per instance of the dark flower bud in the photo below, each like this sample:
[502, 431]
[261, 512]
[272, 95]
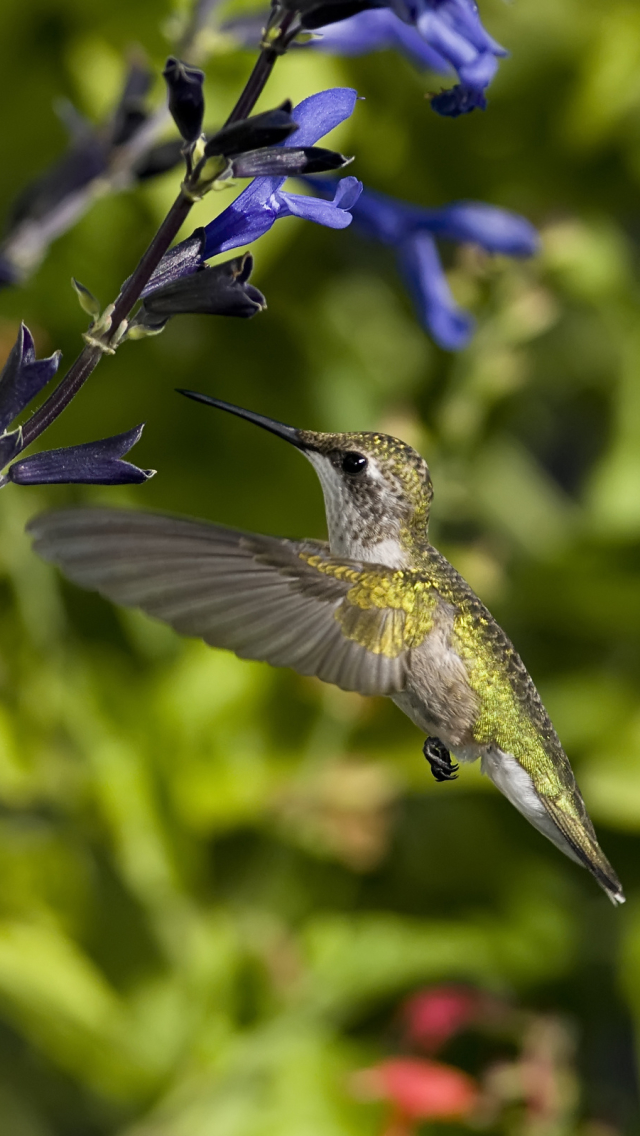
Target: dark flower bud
[222, 290]
[93, 463]
[286, 162]
[186, 98]
[23, 376]
[267, 129]
[181, 260]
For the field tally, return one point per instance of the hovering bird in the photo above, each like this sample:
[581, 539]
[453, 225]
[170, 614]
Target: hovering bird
[376, 610]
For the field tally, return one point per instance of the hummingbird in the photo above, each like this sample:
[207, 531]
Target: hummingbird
[376, 609]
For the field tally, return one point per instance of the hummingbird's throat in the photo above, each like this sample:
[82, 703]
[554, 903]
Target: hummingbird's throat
[364, 522]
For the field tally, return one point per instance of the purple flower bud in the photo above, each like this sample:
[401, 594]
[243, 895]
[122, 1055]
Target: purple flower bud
[267, 129]
[23, 376]
[93, 463]
[286, 161]
[222, 291]
[186, 98]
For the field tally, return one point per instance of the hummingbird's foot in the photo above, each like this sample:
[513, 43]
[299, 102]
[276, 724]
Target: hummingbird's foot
[439, 758]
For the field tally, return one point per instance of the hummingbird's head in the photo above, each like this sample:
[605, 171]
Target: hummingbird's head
[377, 493]
[377, 489]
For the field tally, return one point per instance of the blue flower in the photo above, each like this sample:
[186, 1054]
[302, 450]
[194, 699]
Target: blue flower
[410, 230]
[440, 34]
[264, 201]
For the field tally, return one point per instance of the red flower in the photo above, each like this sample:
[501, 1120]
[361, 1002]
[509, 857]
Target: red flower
[431, 1017]
[418, 1090]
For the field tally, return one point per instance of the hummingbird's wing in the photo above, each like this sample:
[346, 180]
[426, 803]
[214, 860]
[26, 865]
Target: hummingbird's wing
[288, 603]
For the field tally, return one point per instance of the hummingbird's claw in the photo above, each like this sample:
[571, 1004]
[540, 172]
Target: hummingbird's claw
[439, 758]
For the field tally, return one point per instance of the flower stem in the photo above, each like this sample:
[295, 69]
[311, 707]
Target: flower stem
[132, 289]
[280, 37]
[255, 85]
[89, 357]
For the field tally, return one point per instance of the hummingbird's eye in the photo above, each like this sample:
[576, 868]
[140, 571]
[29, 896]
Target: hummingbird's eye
[353, 462]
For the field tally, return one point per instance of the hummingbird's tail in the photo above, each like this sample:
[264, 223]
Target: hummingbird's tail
[582, 840]
[569, 828]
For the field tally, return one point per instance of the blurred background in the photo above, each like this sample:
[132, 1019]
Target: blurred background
[233, 901]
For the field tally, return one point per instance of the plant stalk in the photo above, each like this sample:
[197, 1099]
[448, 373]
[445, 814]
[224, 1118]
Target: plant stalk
[130, 293]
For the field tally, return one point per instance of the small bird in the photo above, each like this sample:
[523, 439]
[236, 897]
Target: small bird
[376, 610]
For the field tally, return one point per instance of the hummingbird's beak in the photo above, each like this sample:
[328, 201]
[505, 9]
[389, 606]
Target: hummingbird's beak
[289, 433]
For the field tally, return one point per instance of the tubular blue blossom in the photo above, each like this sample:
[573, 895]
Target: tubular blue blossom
[444, 35]
[256, 210]
[264, 201]
[410, 230]
[427, 284]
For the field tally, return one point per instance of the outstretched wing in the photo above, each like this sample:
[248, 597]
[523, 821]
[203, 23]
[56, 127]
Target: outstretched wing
[286, 602]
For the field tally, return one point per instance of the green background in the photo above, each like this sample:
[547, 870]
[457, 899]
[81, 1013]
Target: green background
[217, 880]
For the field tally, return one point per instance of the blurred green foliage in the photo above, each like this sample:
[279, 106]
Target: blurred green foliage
[218, 880]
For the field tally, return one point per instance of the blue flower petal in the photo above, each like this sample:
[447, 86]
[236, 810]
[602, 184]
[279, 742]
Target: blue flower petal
[383, 218]
[479, 73]
[348, 192]
[241, 223]
[379, 29]
[496, 230]
[446, 40]
[320, 113]
[436, 308]
[315, 209]
[93, 463]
